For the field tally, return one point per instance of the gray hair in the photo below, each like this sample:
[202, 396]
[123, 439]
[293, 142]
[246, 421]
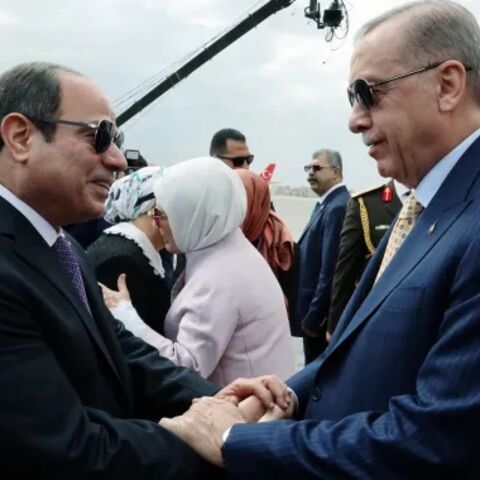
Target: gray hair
[32, 89]
[334, 158]
[439, 30]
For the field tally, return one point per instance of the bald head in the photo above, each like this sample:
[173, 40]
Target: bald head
[431, 31]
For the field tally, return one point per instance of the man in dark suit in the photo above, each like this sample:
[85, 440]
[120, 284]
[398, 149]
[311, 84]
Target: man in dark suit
[317, 251]
[396, 395]
[80, 396]
[369, 215]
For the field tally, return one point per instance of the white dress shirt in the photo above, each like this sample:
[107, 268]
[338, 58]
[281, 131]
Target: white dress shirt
[45, 229]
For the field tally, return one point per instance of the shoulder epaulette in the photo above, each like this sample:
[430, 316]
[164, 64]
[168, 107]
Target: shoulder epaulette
[367, 190]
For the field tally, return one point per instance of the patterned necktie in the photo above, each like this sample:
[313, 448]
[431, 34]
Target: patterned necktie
[407, 218]
[68, 261]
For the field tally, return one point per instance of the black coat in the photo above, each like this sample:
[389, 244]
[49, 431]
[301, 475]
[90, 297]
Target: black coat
[354, 253]
[80, 396]
[111, 255]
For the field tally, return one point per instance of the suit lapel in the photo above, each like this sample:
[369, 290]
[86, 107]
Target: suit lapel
[419, 241]
[446, 207]
[319, 211]
[313, 218]
[32, 249]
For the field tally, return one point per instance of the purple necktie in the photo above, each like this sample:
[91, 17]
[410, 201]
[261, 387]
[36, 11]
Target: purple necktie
[68, 261]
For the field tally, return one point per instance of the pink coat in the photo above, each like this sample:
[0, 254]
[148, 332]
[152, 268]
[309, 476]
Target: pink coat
[229, 320]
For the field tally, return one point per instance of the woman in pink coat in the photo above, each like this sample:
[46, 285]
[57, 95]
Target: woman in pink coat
[229, 320]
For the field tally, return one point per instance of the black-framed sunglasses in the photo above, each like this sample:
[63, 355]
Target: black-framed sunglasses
[238, 161]
[315, 168]
[362, 90]
[106, 132]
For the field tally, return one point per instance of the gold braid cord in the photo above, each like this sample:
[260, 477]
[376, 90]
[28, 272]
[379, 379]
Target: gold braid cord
[366, 226]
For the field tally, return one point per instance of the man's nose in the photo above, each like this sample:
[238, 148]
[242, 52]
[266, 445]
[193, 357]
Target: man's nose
[360, 119]
[114, 159]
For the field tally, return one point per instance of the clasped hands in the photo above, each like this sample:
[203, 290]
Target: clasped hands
[243, 401]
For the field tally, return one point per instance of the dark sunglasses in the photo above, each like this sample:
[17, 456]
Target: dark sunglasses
[315, 168]
[239, 161]
[106, 133]
[362, 90]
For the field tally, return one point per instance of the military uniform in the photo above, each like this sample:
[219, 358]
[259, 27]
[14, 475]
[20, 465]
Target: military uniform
[369, 215]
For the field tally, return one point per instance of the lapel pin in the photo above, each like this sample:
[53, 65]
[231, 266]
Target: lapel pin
[387, 194]
[432, 228]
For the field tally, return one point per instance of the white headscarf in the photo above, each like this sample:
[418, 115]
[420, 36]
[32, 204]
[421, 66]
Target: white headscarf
[132, 195]
[204, 200]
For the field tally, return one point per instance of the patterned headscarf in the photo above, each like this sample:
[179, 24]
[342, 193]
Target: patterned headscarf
[204, 201]
[263, 226]
[132, 195]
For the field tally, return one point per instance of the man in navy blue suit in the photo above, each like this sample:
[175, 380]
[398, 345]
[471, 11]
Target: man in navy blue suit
[396, 395]
[318, 249]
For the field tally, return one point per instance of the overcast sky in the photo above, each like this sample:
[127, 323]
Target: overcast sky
[281, 84]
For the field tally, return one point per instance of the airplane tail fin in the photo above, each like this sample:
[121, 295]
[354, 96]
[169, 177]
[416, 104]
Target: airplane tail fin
[267, 174]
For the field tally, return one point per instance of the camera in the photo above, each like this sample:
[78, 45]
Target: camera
[332, 16]
[134, 160]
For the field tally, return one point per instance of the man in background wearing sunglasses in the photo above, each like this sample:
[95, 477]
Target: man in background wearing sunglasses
[230, 146]
[396, 395]
[318, 249]
[80, 397]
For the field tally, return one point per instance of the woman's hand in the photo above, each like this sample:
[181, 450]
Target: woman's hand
[111, 297]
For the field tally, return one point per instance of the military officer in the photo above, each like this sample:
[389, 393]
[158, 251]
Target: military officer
[369, 215]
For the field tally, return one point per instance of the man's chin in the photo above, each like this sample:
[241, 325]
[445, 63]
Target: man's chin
[97, 210]
[384, 168]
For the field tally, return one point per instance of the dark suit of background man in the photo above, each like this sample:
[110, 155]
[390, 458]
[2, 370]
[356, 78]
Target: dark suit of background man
[317, 251]
[369, 215]
[80, 397]
[396, 395]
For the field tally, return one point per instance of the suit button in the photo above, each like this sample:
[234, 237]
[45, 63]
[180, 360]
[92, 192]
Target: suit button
[316, 394]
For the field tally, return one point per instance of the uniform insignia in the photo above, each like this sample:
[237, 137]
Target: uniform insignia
[367, 190]
[431, 229]
[387, 194]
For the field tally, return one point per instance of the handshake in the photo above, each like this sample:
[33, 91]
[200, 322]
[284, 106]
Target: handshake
[209, 419]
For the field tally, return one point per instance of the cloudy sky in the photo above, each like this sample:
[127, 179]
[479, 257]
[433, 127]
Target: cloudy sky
[281, 84]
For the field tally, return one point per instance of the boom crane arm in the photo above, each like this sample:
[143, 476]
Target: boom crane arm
[222, 42]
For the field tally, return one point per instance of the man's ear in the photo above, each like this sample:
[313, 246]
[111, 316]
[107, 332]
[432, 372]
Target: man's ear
[17, 131]
[452, 85]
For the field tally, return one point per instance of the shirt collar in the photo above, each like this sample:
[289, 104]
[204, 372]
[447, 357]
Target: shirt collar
[432, 181]
[401, 190]
[45, 230]
[322, 199]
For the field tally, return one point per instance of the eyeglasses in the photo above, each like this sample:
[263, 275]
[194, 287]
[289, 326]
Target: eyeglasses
[106, 132]
[158, 216]
[315, 168]
[238, 161]
[362, 90]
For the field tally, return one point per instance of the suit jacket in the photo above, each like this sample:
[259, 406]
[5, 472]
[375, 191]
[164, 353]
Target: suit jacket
[317, 249]
[80, 396]
[397, 393]
[354, 253]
